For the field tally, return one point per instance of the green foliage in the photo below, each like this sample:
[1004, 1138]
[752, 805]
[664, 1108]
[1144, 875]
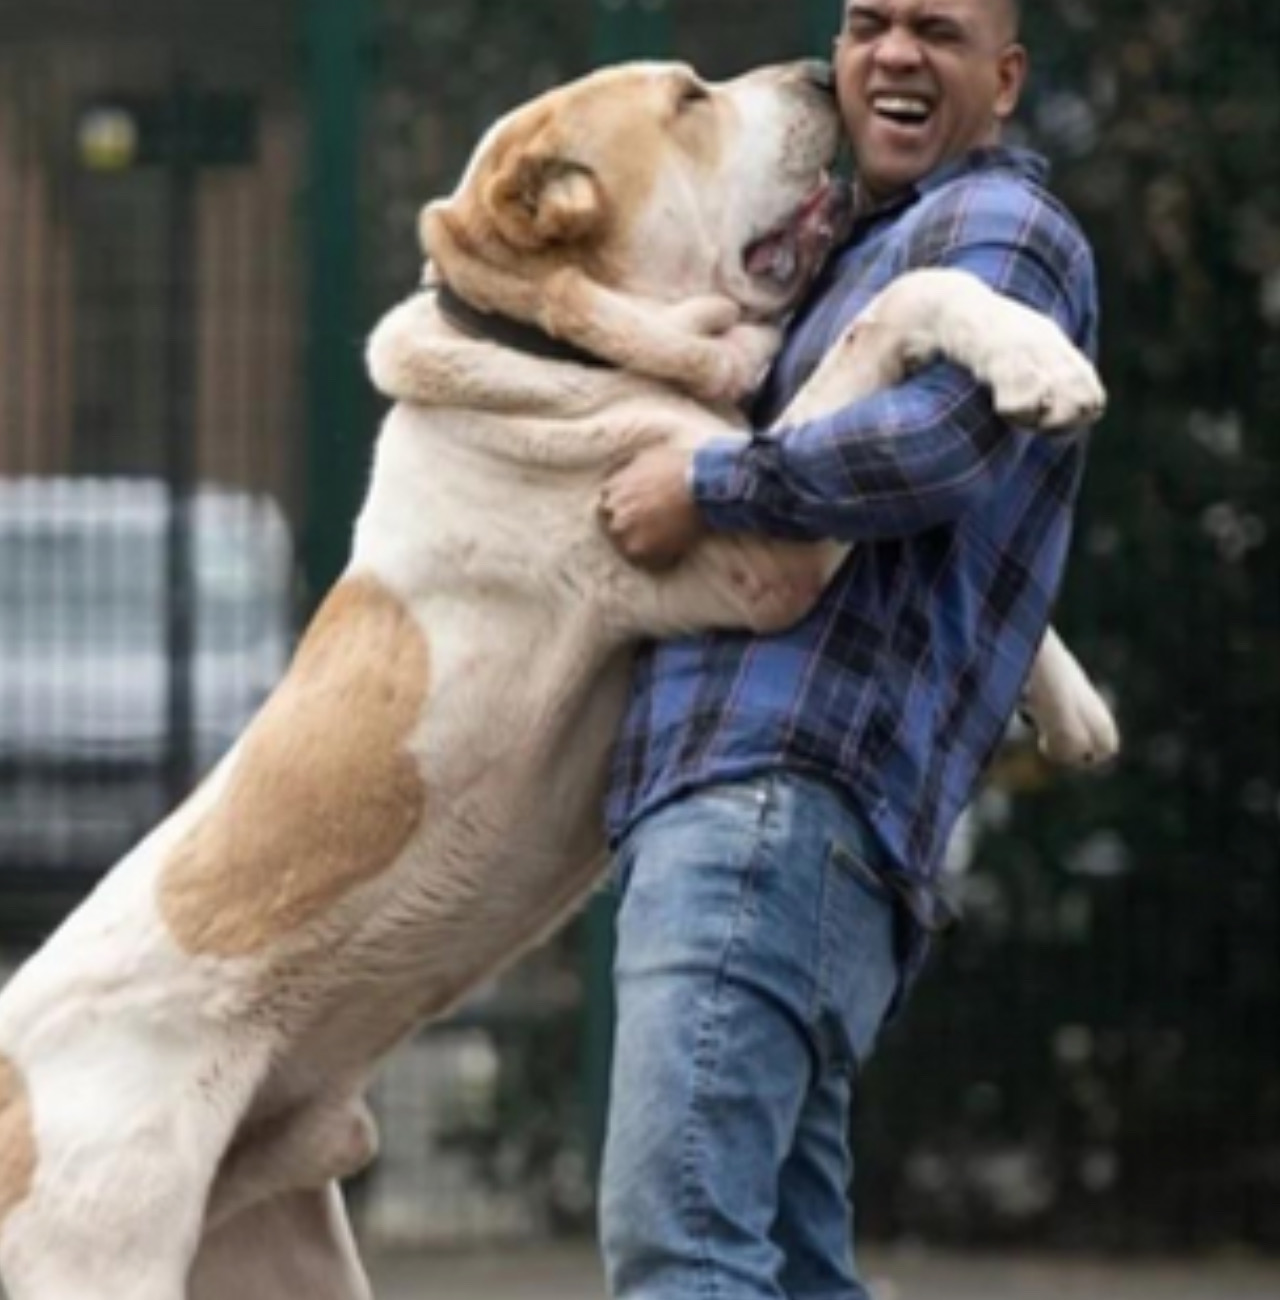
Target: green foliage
[1114, 1000]
[446, 71]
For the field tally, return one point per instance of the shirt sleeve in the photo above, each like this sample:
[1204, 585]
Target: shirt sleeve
[927, 451]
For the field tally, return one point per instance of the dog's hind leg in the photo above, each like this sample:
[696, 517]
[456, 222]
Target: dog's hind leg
[1076, 727]
[74, 1252]
[308, 1147]
[118, 1199]
[160, 1277]
[292, 1246]
[130, 1121]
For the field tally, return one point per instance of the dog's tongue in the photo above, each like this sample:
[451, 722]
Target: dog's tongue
[774, 255]
[806, 236]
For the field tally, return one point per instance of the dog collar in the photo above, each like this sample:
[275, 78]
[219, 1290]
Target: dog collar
[508, 332]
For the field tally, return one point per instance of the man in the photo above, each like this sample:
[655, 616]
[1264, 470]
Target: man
[781, 805]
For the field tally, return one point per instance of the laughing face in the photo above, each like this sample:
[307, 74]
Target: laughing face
[924, 81]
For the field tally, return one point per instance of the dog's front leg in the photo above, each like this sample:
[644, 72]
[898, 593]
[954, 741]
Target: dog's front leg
[304, 1149]
[1038, 378]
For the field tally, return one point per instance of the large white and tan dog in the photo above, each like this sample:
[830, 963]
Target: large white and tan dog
[182, 1065]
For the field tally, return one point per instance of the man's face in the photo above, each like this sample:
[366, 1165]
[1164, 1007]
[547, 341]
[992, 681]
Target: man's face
[922, 82]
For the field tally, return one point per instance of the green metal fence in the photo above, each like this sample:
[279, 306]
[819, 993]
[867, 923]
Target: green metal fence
[151, 319]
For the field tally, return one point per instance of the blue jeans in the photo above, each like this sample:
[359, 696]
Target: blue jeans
[756, 960]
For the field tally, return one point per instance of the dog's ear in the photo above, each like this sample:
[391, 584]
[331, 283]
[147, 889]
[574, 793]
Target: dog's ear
[539, 201]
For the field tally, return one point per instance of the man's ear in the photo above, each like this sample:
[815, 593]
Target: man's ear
[1012, 76]
[538, 200]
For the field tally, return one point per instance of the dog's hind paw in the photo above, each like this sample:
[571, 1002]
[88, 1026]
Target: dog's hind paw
[1083, 734]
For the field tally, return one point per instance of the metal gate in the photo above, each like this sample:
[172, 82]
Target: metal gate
[150, 406]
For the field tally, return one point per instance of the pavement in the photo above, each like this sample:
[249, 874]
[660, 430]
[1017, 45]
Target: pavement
[571, 1273]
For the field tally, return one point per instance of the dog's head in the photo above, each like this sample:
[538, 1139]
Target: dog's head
[649, 186]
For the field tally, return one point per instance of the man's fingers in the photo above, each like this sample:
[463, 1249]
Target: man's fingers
[631, 540]
[646, 512]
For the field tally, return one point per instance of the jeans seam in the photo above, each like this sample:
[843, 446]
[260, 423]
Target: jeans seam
[706, 1054]
[822, 977]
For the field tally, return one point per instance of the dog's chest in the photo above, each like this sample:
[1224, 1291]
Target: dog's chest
[447, 523]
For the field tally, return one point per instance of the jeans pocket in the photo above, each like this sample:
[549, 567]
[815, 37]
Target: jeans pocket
[854, 864]
[620, 864]
[860, 966]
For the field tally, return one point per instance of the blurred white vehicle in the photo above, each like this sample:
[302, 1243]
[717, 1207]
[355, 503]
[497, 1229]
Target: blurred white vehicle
[87, 739]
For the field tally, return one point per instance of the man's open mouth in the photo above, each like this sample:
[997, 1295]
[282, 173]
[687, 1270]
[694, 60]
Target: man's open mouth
[902, 110]
[790, 253]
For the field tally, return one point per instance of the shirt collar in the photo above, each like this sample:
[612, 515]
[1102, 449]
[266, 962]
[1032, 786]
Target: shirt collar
[987, 158]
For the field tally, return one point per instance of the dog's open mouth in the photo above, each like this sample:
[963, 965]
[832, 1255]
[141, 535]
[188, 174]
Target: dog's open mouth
[789, 254]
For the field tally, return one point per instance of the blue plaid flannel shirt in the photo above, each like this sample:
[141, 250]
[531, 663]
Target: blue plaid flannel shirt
[899, 685]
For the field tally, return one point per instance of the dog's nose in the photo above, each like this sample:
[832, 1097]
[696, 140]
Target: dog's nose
[819, 74]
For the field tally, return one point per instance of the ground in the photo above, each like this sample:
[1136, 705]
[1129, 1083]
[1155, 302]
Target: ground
[572, 1274]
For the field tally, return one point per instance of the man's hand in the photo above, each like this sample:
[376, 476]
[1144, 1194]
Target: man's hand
[647, 510]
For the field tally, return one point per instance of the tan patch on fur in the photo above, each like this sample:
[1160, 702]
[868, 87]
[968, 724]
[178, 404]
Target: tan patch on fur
[323, 797]
[616, 127]
[544, 227]
[17, 1141]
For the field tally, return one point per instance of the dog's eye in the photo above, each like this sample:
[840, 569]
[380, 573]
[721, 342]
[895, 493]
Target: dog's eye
[692, 93]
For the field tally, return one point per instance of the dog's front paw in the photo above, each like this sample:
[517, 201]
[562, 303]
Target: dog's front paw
[1081, 732]
[748, 351]
[736, 353]
[1038, 379]
[707, 316]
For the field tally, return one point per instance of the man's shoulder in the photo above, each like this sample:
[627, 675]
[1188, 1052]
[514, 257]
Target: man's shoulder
[1001, 204]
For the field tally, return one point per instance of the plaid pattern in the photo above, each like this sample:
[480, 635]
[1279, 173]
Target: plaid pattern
[899, 686]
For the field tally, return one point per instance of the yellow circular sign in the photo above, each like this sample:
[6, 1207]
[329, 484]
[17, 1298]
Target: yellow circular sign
[108, 140]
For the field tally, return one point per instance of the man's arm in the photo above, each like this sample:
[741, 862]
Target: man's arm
[910, 458]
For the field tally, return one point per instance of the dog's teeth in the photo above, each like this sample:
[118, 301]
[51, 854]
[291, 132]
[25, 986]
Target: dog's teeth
[784, 263]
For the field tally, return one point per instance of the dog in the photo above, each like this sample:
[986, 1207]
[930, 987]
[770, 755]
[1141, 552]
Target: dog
[182, 1065]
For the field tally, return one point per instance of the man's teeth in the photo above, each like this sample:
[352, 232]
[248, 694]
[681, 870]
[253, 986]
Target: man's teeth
[902, 106]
